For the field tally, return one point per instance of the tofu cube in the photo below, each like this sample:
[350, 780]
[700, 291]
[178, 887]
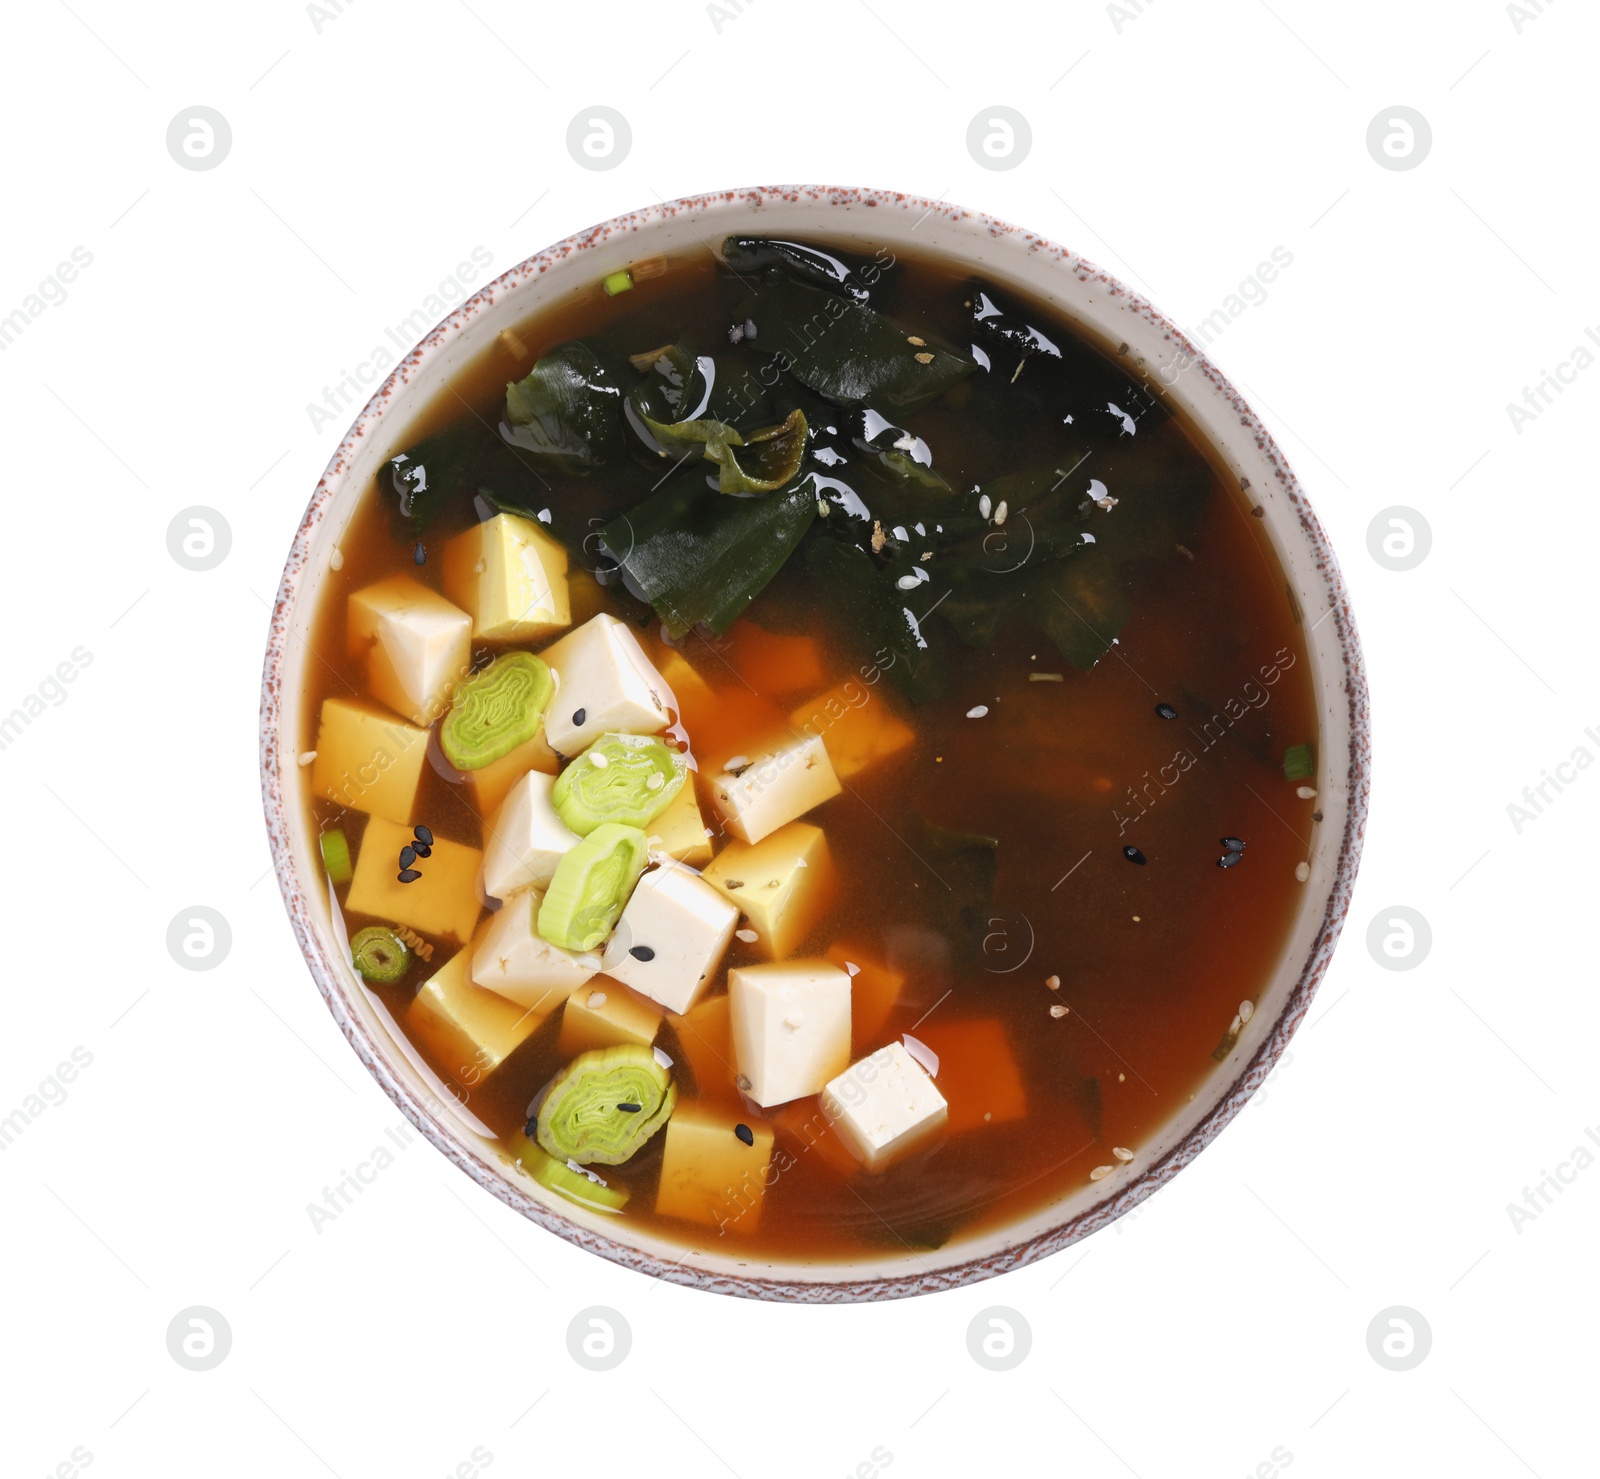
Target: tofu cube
[874, 992]
[417, 646]
[368, 760]
[978, 1074]
[443, 902]
[884, 1106]
[671, 938]
[696, 703]
[791, 1027]
[782, 781]
[708, 1174]
[604, 1013]
[511, 578]
[603, 675]
[774, 664]
[490, 785]
[467, 1031]
[680, 831]
[783, 885]
[515, 961]
[740, 723]
[856, 724]
[525, 840]
[705, 1043]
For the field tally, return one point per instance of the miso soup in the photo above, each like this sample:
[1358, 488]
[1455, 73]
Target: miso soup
[812, 750]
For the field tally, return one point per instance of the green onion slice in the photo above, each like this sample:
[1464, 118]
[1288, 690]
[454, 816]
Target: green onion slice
[1297, 764]
[380, 954]
[336, 857]
[625, 778]
[496, 710]
[564, 1181]
[591, 884]
[579, 1119]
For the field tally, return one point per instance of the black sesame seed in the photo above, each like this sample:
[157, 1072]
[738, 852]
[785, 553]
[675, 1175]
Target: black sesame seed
[420, 554]
[745, 1133]
[1133, 855]
[531, 1128]
[578, 717]
[408, 855]
[422, 834]
[1230, 860]
[630, 1108]
[409, 875]
[421, 849]
[642, 952]
[1233, 844]
[1166, 711]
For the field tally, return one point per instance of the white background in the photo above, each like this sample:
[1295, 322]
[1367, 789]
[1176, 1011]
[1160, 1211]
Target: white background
[372, 150]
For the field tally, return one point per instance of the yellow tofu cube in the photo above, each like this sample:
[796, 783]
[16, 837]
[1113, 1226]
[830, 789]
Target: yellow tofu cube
[492, 784]
[705, 1040]
[417, 646]
[367, 759]
[874, 992]
[680, 831]
[605, 1013]
[856, 724]
[777, 783]
[443, 902]
[708, 1174]
[467, 1031]
[782, 885]
[511, 578]
[695, 700]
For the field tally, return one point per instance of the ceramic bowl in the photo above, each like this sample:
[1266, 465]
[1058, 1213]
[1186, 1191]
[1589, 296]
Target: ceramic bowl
[1106, 310]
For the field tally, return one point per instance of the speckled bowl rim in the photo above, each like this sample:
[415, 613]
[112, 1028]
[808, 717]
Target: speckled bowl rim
[333, 978]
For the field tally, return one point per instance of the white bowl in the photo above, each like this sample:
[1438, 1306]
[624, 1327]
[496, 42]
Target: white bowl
[1106, 310]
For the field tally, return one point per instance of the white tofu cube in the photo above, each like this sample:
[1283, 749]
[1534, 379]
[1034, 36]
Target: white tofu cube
[604, 676]
[417, 646]
[791, 1027]
[671, 937]
[884, 1106]
[525, 840]
[781, 783]
[515, 961]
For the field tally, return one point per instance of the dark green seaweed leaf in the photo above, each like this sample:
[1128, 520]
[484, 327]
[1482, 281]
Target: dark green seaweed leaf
[967, 864]
[753, 253]
[697, 556]
[848, 354]
[567, 411]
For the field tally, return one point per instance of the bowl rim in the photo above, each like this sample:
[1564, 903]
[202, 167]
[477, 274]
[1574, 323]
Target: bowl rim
[331, 981]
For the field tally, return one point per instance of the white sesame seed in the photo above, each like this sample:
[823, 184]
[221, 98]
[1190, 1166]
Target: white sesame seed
[1234, 1026]
[597, 999]
[598, 760]
[794, 1021]
[1000, 513]
[978, 712]
[1058, 1010]
[1122, 1153]
[1053, 982]
[736, 763]
[908, 582]
[336, 559]
[748, 936]
[656, 781]
[1247, 1009]
[852, 967]
[1307, 793]
[984, 506]
[662, 1057]
[1100, 1173]
[1302, 871]
[1122, 1078]
[307, 757]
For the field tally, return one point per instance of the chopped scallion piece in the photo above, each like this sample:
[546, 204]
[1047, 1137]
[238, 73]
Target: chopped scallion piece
[591, 884]
[617, 282]
[588, 792]
[380, 954]
[1297, 764]
[564, 1181]
[336, 857]
[496, 710]
[579, 1120]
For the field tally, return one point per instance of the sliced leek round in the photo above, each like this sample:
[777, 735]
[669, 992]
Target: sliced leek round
[496, 710]
[591, 884]
[579, 1117]
[625, 778]
[560, 1178]
[380, 954]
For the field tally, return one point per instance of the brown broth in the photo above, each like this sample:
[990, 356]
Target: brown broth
[1153, 960]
